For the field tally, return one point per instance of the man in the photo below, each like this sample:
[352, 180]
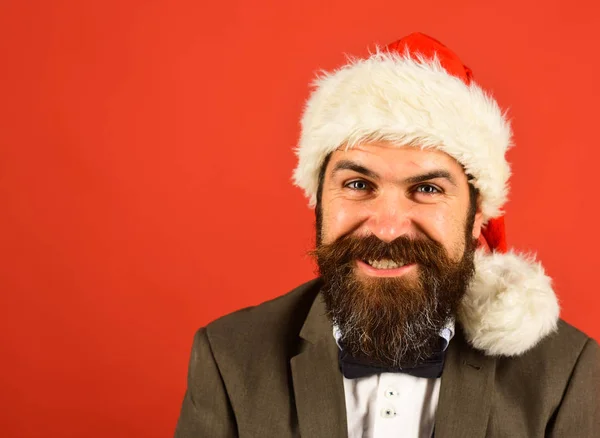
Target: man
[421, 323]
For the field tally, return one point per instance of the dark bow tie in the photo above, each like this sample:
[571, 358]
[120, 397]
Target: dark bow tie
[354, 368]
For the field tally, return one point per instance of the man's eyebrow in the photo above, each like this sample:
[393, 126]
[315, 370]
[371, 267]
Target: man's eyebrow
[351, 165]
[431, 175]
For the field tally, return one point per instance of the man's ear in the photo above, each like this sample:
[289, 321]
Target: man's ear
[478, 221]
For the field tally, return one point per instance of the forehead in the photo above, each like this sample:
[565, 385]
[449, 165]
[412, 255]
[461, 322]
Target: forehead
[386, 158]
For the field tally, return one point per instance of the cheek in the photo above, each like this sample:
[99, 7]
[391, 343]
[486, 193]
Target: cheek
[339, 218]
[442, 224]
[441, 221]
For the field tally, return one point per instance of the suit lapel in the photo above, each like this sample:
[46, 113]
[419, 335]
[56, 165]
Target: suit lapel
[466, 391]
[318, 383]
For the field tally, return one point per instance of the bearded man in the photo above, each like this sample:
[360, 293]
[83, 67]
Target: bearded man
[421, 323]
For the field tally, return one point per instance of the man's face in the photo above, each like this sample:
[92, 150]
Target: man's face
[395, 247]
[392, 191]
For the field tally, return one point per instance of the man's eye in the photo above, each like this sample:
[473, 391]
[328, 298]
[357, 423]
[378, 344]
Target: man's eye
[427, 189]
[358, 185]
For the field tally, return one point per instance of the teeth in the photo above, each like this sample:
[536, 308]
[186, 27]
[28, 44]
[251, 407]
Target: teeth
[384, 264]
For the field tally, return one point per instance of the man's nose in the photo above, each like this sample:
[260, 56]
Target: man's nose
[391, 216]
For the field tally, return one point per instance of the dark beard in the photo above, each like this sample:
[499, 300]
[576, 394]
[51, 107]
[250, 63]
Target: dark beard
[393, 322]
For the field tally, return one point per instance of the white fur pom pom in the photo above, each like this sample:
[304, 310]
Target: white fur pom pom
[510, 305]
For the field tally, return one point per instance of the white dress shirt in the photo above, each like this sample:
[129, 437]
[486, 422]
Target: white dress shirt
[390, 405]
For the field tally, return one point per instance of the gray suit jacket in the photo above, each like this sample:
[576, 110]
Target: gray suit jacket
[272, 371]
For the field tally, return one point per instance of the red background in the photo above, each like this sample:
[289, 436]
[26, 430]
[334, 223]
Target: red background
[145, 164]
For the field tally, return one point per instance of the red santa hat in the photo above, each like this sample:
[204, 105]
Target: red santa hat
[418, 92]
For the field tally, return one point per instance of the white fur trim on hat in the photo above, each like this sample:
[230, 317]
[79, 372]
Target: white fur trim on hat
[510, 305]
[406, 101]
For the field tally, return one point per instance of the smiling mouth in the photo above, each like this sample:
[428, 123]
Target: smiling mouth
[384, 267]
[385, 264]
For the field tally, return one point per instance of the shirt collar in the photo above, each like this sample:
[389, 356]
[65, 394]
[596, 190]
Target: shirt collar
[446, 333]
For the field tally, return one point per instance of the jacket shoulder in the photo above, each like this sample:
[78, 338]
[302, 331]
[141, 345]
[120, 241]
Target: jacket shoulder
[544, 371]
[538, 380]
[249, 354]
[274, 320]
[567, 341]
[569, 344]
[557, 353]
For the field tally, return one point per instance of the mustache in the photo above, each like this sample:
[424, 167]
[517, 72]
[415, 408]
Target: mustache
[403, 249]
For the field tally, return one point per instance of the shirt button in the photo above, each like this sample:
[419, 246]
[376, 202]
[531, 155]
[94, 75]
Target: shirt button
[391, 393]
[388, 413]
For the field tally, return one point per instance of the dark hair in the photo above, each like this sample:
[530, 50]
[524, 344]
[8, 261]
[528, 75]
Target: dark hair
[473, 198]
